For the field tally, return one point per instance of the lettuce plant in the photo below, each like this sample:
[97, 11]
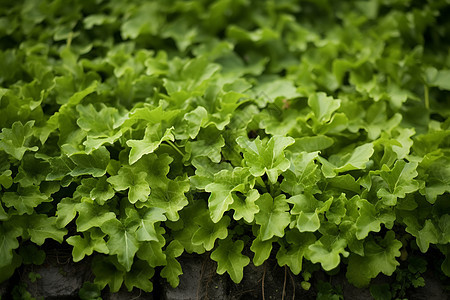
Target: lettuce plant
[135, 131]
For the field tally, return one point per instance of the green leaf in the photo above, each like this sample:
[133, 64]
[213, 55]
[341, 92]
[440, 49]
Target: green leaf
[323, 106]
[298, 246]
[438, 78]
[370, 218]
[245, 208]
[153, 137]
[3, 215]
[262, 250]
[101, 126]
[437, 170]
[337, 210]
[225, 183]
[92, 215]
[41, 227]
[170, 197]
[152, 251]
[144, 19]
[86, 245]
[60, 167]
[94, 164]
[378, 257]
[230, 259]
[307, 209]
[5, 179]
[205, 170]
[399, 180]
[102, 191]
[208, 143]
[266, 157]
[122, 241]
[90, 291]
[139, 189]
[208, 231]
[425, 235]
[273, 216]
[381, 291]
[192, 121]
[172, 269]
[25, 199]
[146, 230]
[66, 211]
[347, 161]
[140, 276]
[8, 242]
[17, 140]
[108, 271]
[311, 143]
[272, 89]
[303, 174]
[32, 171]
[327, 251]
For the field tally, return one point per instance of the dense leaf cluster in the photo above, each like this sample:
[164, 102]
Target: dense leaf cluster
[140, 130]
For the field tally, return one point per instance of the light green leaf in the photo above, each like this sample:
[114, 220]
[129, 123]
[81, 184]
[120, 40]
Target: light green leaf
[152, 251]
[122, 241]
[153, 137]
[102, 191]
[170, 197]
[86, 245]
[108, 271]
[146, 230]
[25, 199]
[42, 227]
[327, 251]
[323, 106]
[266, 157]
[371, 217]
[399, 180]
[205, 170]
[8, 242]
[172, 269]
[438, 78]
[230, 259]
[139, 277]
[144, 19]
[303, 174]
[127, 178]
[273, 216]
[92, 215]
[94, 164]
[311, 143]
[262, 249]
[298, 246]
[347, 161]
[307, 208]
[208, 143]
[245, 208]
[16, 141]
[378, 257]
[225, 183]
[208, 231]
[425, 235]
[66, 211]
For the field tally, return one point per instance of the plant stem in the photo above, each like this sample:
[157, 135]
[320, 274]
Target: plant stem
[175, 148]
[427, 97]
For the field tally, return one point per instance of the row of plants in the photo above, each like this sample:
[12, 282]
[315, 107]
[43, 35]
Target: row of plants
[136, 131]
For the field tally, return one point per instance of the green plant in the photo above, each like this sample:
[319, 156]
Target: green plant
[137, 131]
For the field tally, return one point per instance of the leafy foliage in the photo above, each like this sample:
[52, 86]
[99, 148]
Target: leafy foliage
[136, 131]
